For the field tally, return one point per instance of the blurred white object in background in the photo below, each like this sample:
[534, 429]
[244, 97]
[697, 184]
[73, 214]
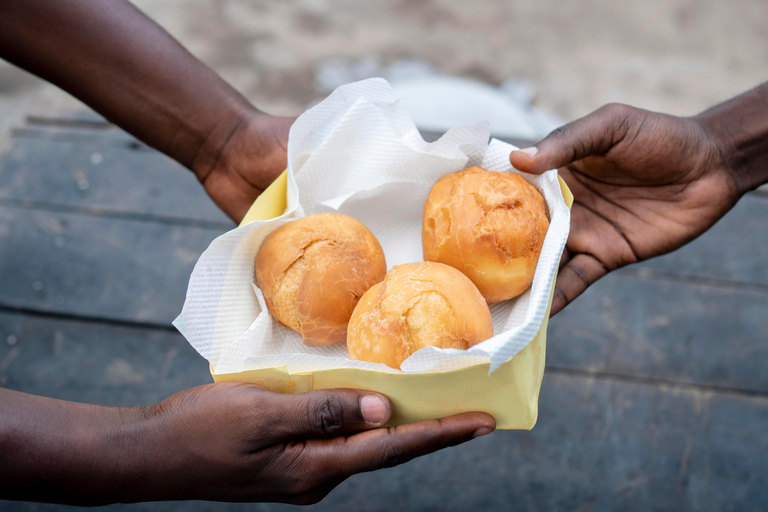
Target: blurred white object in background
[336, 72]
[438, 102]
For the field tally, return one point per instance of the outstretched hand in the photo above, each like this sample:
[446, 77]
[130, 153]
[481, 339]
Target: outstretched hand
[644, 184]
[219, 442]
[238, 442]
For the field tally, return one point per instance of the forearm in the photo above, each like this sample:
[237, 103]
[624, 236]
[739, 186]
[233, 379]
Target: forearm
[115, 59]
[739, 128]
[65, 452]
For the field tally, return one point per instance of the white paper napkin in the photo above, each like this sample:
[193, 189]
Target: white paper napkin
[358, 153]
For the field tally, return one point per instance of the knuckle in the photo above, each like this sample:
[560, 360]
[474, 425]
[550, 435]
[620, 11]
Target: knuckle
[581, 275]
[617, 121]
[616, 109]
[621, 115]
[581, 148]
[560, 131]
[561, 295]
[393, 455]
[327, 413]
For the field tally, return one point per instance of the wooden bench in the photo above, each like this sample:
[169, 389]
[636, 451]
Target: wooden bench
[655, 395]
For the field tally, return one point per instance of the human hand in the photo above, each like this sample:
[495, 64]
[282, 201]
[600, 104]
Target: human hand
[239, 442]
[644, 184]
[250, 159]
[150, 86]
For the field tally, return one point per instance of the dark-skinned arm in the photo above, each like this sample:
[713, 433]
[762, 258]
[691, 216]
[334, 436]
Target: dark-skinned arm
[220, 442]
[224, 442]
[645, 184]
[115, 59]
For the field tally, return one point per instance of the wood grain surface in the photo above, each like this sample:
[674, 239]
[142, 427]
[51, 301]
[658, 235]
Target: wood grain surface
[655, 395]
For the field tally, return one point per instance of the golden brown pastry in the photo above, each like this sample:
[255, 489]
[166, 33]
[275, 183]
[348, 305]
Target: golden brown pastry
[417, 305]
[313, 271]
[490, 225]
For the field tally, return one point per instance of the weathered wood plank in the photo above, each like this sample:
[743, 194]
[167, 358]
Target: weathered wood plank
[95, 266]
[149, 183]
[79, 132]
[96, 363]
[104, 177]
[599, 445]
[51, 101]
[138, 271]
[602, 443]
[666, 330]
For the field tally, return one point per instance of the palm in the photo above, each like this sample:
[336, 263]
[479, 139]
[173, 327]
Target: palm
[239, 442]
[646, 196]
[644, 184]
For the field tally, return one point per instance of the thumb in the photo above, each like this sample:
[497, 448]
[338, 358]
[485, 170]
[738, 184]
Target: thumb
[326, 413]
[594, 134]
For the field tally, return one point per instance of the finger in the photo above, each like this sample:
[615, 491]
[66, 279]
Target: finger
[594, 134]
[327, 413]
[383, 448]
[575, 277]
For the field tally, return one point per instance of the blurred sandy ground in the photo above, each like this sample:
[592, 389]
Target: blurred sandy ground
[675, 56]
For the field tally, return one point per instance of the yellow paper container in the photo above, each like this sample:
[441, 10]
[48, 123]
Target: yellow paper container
[510, 394]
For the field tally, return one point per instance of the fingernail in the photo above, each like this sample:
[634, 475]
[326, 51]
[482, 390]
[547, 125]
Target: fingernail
[374, 409]
[482, 431]
[529, 152]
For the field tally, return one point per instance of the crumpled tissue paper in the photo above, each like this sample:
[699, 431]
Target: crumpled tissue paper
[359, 153]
